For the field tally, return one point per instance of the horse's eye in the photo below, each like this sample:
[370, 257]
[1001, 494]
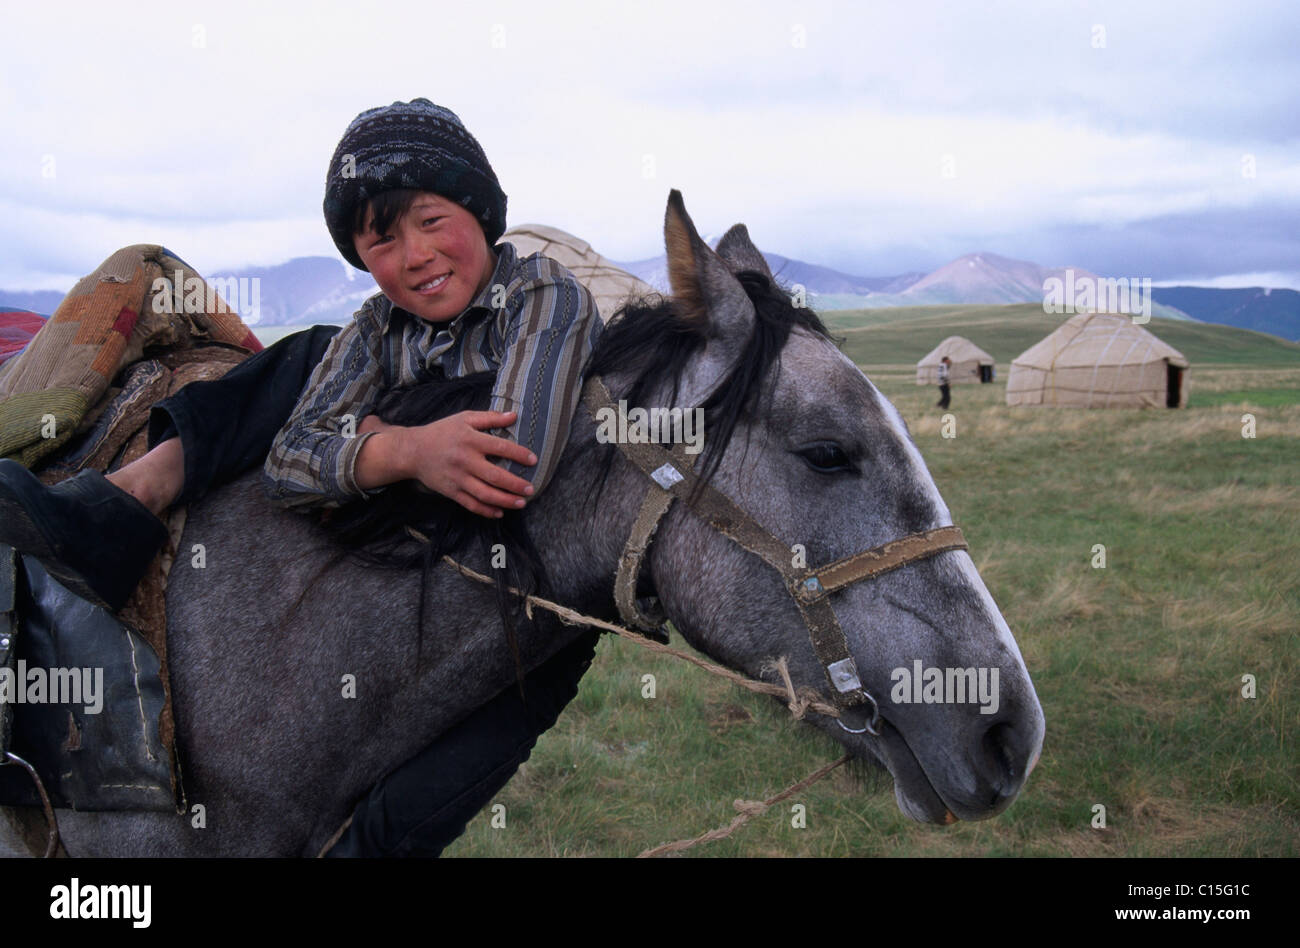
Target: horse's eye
[825, 457]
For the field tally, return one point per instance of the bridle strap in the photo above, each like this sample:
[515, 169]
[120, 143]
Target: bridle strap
[880, 560]
[674, 478]
[653, 508]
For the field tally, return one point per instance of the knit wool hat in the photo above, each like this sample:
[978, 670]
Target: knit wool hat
[416, 145]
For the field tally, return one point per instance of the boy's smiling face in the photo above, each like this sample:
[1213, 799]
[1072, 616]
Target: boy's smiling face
[432, 261]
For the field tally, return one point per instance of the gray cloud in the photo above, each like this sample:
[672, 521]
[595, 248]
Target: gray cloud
[824, 126]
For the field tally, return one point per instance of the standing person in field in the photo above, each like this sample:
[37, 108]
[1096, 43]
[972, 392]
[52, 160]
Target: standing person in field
[944, 394]
[411, 197]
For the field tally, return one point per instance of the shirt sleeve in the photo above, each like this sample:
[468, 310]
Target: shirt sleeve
[546, 346]
[313, 458]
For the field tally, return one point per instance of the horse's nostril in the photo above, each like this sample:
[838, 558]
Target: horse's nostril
[1003, 752]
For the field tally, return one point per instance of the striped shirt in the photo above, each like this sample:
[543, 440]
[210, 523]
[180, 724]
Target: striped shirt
[536, 338]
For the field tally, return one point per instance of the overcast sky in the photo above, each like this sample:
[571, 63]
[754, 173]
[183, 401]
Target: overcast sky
[1143, 139]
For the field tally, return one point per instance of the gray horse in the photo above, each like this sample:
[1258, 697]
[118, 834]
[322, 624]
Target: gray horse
[277, 753]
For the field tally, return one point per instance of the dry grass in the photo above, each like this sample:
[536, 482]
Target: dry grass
[1223, 498]
[1220, 422]
[1069, 595]
[1236, 378]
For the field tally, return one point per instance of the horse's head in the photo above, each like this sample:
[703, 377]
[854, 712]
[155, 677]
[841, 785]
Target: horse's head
[820, 459]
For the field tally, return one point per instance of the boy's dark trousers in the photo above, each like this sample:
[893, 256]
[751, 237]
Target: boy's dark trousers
[944, 395]
[226, 427]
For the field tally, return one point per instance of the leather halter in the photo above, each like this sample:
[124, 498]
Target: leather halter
[673, 477]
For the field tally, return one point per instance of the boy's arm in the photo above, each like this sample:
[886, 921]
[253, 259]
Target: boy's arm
[313, 458]
[314, 463]
[546, 347]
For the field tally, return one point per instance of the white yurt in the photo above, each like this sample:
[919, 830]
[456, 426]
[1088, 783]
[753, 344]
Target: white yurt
[607, 283]
[970, 363]
[1099, 360]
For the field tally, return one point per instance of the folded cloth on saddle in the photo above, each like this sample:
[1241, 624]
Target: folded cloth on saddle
[17, 327]
[141, 296]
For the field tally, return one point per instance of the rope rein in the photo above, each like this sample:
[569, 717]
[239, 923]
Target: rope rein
[797, 703]
[748, 810]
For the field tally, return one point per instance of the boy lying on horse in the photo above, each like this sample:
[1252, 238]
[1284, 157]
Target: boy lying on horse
[410, 197]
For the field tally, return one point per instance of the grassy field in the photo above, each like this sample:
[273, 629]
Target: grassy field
[1138, 666]
[874, 337]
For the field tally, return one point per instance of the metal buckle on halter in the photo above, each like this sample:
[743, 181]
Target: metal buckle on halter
[844, 676]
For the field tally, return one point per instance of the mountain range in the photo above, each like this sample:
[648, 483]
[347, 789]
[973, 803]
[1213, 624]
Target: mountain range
[986, 278]
[1263, 309]
[308, 290]
[820, 280]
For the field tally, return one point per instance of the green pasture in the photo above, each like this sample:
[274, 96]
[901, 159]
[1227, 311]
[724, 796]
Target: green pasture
[1138, 666]
[882, 336]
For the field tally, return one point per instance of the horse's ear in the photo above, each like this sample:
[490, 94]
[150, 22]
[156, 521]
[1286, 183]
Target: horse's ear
[708, 295]
[703, 285]
[739, 252]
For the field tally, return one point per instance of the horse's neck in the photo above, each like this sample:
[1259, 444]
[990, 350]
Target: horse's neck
[573, 531]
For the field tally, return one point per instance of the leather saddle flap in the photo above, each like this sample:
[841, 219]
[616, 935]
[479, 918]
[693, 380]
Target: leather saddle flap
[86, 695]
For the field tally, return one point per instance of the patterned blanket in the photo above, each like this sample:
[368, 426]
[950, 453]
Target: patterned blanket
[141, 297]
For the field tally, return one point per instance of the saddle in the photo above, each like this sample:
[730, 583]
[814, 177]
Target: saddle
[85, 702]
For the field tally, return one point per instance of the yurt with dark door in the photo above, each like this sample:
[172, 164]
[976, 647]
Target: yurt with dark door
[1099, 360]
[970, 363]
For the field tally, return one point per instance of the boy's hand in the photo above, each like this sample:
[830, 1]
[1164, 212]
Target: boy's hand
[452, 456]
